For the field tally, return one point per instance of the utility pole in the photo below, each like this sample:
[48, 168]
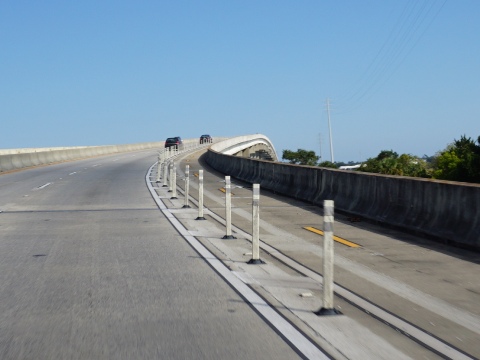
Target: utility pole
[320, 141]
[330, 130]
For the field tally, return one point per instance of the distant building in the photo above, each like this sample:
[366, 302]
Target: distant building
[349, 167]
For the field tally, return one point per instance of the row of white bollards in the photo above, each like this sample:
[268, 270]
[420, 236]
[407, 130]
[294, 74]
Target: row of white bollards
[166, 169]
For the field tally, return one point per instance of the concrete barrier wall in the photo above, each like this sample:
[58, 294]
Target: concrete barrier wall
[21, 158]
[446, 211]
[32, 150]
[12, 159]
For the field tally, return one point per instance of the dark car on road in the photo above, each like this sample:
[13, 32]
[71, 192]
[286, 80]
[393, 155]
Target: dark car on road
[205, 139]
[174, 141]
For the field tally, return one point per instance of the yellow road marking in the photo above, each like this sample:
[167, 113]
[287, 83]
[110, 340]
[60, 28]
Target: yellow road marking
[224, 191]
[336, 238]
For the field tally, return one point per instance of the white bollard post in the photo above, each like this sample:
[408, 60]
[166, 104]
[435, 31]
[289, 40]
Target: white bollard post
[170, 175]
[328, 255]
[165, 173]
[159, 166]
[174, 182]
[228, 208]
[256, 226]
[187, 184]
[200, 196]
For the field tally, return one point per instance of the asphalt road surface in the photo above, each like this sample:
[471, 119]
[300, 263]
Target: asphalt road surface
[91, 269]
[99, 261]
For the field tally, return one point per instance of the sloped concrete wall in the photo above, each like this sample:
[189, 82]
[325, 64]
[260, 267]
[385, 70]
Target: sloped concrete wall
[446, 211]
[12, 159]
[21, 158]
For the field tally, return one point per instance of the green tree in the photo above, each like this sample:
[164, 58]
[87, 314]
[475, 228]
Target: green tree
[301, 157]
[460, 161]
[388, 162]
[328, 164]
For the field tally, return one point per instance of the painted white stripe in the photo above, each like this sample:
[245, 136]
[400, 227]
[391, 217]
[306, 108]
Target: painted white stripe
[42, 187]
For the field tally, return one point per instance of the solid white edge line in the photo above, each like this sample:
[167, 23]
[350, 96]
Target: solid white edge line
[301, 343]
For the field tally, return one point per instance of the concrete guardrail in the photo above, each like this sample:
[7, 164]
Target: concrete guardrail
[443, 210]
[12, 159]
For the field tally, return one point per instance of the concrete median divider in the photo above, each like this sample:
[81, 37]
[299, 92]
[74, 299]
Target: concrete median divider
[6, 162]
[12, 159]
[445, 211]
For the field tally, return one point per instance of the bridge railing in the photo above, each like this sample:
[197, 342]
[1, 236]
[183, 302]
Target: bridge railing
[443, 210]
[12, 159]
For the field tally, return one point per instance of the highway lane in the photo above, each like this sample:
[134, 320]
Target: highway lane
[91, 269]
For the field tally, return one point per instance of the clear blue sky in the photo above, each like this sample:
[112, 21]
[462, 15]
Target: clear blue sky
[400, 75]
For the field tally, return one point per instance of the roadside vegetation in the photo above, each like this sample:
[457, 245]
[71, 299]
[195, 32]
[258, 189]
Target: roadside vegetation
[459, 161]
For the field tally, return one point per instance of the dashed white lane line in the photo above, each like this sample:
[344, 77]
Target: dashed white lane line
[42, 186]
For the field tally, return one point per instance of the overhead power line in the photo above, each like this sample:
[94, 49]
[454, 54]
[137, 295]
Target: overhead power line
[413, 22]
